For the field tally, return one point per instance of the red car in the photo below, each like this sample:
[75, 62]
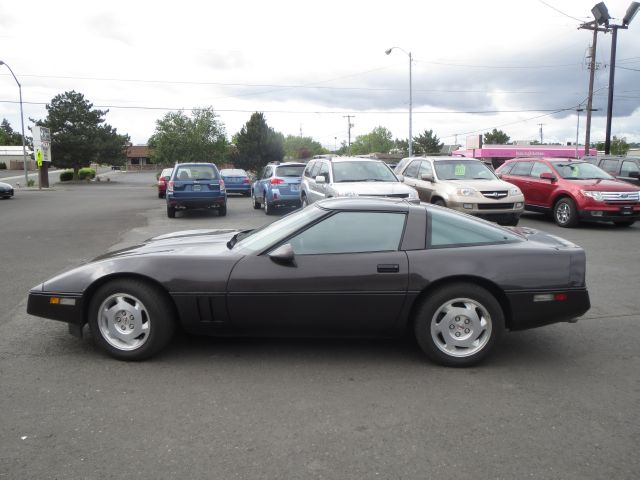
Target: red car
[163, 179]
[572, 190]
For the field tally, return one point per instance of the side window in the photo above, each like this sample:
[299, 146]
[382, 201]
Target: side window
[309, 169]
[412, 169]
[506, 169]
[350, 232]
[538, 168]
[266, 173]
[447, 229]
[425, 169]
[628, 166]
[610, 166]
[324, 170]
[522, 169]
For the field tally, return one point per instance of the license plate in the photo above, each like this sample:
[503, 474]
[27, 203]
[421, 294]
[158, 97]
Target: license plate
[626, 210]
[197, 188]
[295, 188]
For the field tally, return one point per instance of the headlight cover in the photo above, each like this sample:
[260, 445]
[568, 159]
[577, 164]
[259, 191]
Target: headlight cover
[466, 192]
[597, 196]
[514, 192]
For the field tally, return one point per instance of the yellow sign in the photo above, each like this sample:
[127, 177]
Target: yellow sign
[39, 158]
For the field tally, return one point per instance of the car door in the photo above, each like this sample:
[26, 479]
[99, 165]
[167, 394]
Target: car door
[630, 171]
[519, 176]
[540, 189]
[347, 276]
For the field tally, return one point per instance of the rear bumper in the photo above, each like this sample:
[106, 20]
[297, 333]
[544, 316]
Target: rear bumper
[528, 313]
[197, 202]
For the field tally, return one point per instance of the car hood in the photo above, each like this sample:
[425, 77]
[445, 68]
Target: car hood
[480, 185]
[604, 185]
[372, 188]
[187, 242]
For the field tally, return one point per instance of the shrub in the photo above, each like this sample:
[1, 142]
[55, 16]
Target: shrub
[3, 166]
[31, 182]
[86, 173]
[66, 176]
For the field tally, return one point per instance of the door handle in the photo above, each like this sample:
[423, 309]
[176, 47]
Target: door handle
[388, 268]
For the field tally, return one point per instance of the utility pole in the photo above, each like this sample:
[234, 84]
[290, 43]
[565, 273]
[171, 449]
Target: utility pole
[349, 125]
[592, 71]
[541, 137]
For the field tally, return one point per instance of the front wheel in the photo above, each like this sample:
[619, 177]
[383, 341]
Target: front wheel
[565, 213]
[439, 202]
[458, 325]
[131, 319]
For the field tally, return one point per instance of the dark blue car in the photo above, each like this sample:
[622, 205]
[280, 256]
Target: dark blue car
[278, 186]
[236, 180]
[196, 185]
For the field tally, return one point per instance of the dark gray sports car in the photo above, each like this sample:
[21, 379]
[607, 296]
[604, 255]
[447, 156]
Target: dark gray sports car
[341, 267]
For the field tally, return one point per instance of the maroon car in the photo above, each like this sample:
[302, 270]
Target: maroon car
[164, 177]
[572, 190]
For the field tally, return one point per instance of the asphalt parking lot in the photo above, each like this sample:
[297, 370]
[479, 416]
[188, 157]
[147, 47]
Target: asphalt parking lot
[556, 402]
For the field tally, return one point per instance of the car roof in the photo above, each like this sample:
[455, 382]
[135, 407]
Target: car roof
[193, 164]
[365, 203]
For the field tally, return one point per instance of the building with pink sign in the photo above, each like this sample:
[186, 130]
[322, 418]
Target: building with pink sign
[497, 154]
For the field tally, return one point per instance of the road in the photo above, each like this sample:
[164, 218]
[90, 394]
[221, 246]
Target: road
[556, 402]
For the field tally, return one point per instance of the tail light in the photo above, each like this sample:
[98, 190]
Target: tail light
[170, 186]
[161, 181]
[221, 184]
[277, 181]
[246, 180]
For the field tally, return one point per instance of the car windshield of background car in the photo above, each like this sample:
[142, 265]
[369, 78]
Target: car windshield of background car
[233, 172]
[463, 170]
[290, 171]
[362, 172]
[580, 171]
[270, 234]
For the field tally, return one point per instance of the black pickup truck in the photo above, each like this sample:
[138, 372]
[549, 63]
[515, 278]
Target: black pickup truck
[623, 168]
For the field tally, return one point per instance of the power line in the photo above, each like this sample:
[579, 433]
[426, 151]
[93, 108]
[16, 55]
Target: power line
[524, 67]
[560, 11]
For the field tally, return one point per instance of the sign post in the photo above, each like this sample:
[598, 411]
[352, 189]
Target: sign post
[42, 153]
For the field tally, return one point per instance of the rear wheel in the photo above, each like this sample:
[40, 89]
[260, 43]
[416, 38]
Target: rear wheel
[304, 202]
[256, 203]
[458, 325]
[565, 213]
[131, 319]
[171, 211]
[222, 211]
[268, 209]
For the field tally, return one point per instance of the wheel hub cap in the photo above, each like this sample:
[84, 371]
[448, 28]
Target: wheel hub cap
[123, 321]
[461, 327]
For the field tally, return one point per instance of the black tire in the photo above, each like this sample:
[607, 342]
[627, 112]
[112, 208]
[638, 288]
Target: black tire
[171, 211]
[222, 211]
[459, 340]
[135, 307]
[511, 222]
[256, 203]
[160, 195]
[268, 209]
[303, 201]
[565, 213]
[439, 202]
[624, 223]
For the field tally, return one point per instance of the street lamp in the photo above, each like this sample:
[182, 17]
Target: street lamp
[24, 146]
[601, 16]
[410, 96]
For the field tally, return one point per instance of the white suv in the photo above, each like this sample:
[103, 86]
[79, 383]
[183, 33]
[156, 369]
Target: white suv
[327, 177]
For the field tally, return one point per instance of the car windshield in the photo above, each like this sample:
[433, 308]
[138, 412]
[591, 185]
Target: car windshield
[290, 171]
[233, 172]
[580, 171]
[196, 172]
[362, 171]
[261, 238]
[463, 170]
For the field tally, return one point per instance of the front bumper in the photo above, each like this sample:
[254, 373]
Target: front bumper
[610, 213]
[64, 307]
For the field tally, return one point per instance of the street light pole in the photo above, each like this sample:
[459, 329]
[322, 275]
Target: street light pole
[578, 110]
[24, 146]
[410, 95]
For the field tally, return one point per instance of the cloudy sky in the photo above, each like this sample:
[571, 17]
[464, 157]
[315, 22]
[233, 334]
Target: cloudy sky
[307, 65]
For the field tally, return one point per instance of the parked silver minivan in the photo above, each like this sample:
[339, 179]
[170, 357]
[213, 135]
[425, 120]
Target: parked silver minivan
[464, 184]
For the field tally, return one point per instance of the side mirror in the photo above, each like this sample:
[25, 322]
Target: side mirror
[427, 177]
[320, 179]
[400, 178]
[499, 175]
[283, 255]
[548, 176]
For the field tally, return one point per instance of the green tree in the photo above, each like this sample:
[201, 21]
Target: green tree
[496, 137]
[8, 136]
[378, 140]
[427, 143]
[299, 148]
[258, 144]
[178, 138]
[619, 146]
[401, 145]
[79, 135]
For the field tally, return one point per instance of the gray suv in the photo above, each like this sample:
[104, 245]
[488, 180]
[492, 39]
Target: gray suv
[327, 177]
